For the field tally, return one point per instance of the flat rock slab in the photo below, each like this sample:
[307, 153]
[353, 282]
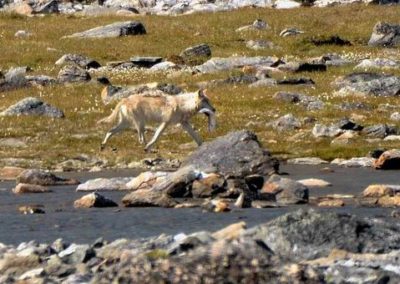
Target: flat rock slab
[32, 106]
[222, 64]
[104, 184]
[236, 154]
[113, 30]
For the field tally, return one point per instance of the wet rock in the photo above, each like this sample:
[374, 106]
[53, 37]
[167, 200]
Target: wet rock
[302, 67]
[75, 254]
[259, 44]
[286, 123]
[285, 191]
[43, 178]
[307, 234]
[104, 184]
[145, 61]
[231, 232]
[148, 198]
[10, 173]
[321, 130]
[146, 180]
[94, 200]
[209, 186]
[196, 54]
[362, 162]
[23, 188]
[385, 34]
[78, 59]
[236, 154]
[376, 131]
[331, 203]
[223, 64]
[378, 63]
[31, 209]
[368, 84]
[256, 25]
[73, 74]
[307, 161]
[388, 160]
[32, 106]
[113, 30]
[290, 32]
[314, 182]
[332, 40]
[379, 190]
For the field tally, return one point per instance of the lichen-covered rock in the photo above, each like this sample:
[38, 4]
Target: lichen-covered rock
[73, 74]
[113, 30]
[385, 34]
[32, 106]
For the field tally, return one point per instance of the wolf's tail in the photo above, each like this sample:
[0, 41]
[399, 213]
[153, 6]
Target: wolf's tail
[113, 116]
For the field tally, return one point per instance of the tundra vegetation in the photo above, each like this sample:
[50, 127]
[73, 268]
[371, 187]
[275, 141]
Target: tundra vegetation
[238, 106]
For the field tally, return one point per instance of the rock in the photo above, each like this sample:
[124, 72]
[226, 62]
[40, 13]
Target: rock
[145, 61]
[284, 190]
[307, 161]
[73, 74]
[14, 79]
[34, 273]
[113, 30]
[389, 201]
[314, 182]
[104, 184]
[321, 130]
[163, 66]
[75, 254]
[209, 186]
[256, 25]
[290, 32]
[295, 81]
[217, 206]
[385, 34]
[259, 44]
[31, 209]
[231, 232]
[378, 63]
[223, 64]
[237, 154]
[22, 188]
[363, 162]
[354, 106]
[388, 160]
[288, 97]
[80, 60]
[148, 198]
[309, 102]
[146, 180]
[12, 143]
[22, 34]
[332, 40]
[308, 234]
[331, 59]
[94, 200]
[376, 131]
[196, 54]
[379, 190]
[264, 83]
[40, 80]
[392, 138]
[14, 264]
[345, 138]
[44, 7]
[23, 8]
[395, 214]
[32, 106]
[10, 173]
[347, 124]
[368, 84]
[395, 116]
[331, 203]
[185, 243]
[286, 123]
[43, 178]
[286, 4]
[302, 67]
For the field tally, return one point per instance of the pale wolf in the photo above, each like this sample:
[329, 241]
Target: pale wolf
[136, 111]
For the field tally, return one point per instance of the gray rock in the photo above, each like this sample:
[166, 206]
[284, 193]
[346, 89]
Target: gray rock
[347, 124]
[288, 97]
[311, 103]
[32, 106]
[395, 116]
[385, 34]
[307, 234]
[113, 30]
[48, 7]
[330, 40]
[40, 80]
[43, 178]
[284, 191]
[145, 61]
[163, 66]
[321, 130]
[259, 44]
[75, 254]
[148, 198]
[331, 59]
[376, 131]
[290, 32]
[222, 64]
[378, 63]
[14, 79]
[295, 81]
[307, 161]
[94, 200]
[256, 25]
[236, 154]
[302, 67]
[80, 60]
[368, 84]
[73, 74]
[264, 83]
[358, 162]
[354, 106]
[286, 122]
[196, 53]
[104, 184]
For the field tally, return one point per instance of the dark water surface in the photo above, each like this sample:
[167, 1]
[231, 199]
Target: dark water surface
[85, 225]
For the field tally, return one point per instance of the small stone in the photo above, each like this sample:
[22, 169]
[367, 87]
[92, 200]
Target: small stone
[331, 203]
[94, 200]
[31, 209]
[314, 182]
[209, 186]
[286, 122]
[22, 34]
[284, 191]
[22, 188]
[321, 130]
[32, 106]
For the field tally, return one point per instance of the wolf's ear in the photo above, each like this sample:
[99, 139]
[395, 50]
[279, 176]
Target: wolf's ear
[202, 93]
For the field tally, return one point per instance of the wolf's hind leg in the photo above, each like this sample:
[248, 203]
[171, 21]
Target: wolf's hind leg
[159, 131]
[118, 128]
[189, 129]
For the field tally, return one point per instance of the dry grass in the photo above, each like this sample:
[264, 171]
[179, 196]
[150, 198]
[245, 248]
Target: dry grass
[56, 140]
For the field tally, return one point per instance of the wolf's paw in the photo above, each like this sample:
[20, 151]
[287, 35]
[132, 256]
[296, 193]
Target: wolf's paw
[102, 146]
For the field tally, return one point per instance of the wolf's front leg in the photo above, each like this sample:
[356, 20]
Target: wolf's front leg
[153, 140]
[189, 129]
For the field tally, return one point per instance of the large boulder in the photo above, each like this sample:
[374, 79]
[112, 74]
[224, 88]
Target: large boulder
[94, 200]
[73, 74]
[196, 53]
[113, 30]
[308, 234]
[236, 154]
[104, 184]
[32, 106]
[284, 191]
[78, 59]
[385, 34]
[148, 198]
[368, 84]
[388, 160]
[43, 178]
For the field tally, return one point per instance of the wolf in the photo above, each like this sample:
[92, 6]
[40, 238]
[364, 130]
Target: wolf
[136, 111]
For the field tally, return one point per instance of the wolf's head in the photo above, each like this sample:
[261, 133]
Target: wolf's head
[206, 107]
